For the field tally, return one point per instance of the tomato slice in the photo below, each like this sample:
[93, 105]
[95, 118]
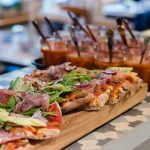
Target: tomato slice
[56, 108]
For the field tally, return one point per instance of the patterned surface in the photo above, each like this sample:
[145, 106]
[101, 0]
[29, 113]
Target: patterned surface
[108, 132]
[115, 128]
[144, 146]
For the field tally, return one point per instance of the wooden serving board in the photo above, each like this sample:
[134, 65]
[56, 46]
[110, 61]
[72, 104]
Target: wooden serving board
[78, 124]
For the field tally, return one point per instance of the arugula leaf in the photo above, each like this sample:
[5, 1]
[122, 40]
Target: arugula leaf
[56, 90]
[10, 109]
[58, 87]
[10, 105]
[30, 112]
[33, 110]
[49, 113]
[11, 102]
[2, 106]
[15, 83]
[74, 77]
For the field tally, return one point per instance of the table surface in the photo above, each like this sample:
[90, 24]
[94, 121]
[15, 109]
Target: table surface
[129, 131]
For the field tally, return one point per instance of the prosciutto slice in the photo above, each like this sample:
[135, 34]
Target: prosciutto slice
[7, 137]
[33, 100]
[5, 94]
[52, 73]
[56, 72]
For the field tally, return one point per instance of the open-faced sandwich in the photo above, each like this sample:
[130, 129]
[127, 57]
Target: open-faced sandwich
[27, 115]
[74, 87]
[31, 107]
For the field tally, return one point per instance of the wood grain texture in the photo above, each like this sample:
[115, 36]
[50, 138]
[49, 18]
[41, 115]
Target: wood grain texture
[78, 124]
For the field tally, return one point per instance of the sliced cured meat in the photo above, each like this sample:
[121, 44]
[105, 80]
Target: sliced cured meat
[52, 73]
[5, 94]
[33, 100]
[6, 136]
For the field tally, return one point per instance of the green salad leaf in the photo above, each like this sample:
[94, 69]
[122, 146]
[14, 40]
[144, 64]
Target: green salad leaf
[11, 102]
[10, 105]
[74, 77]
[49, 113]
[20, 85]
[55, 91]
[44, 113]
[30, 112]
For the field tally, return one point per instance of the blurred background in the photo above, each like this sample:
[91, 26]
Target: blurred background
[19, 42]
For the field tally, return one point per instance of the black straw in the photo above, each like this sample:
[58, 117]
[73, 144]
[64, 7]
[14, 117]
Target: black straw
[35, 24]
[126, 23]
[110, 36]
[77, 23]
[119, 21]
[71, 30]
[52, 28]
[145, 47]
[91, 33]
